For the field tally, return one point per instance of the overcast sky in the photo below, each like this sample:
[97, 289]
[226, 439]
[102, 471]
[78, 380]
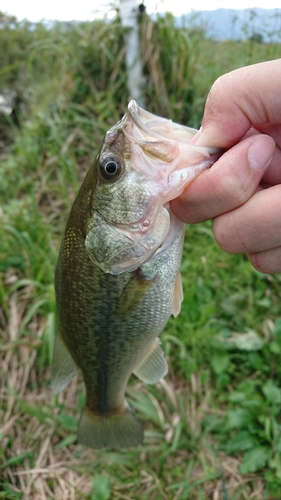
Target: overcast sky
[82, 10]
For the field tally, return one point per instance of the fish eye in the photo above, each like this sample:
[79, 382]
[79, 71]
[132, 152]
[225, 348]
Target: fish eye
[110, 168]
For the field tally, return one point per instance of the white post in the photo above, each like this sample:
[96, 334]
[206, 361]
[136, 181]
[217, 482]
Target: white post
[129, 19]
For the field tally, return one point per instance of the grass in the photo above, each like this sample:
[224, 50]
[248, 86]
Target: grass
[212, 426]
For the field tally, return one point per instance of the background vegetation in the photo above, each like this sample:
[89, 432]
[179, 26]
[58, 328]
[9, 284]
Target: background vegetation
[213, 426]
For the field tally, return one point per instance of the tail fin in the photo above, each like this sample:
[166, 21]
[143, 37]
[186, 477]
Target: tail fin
[116, 431]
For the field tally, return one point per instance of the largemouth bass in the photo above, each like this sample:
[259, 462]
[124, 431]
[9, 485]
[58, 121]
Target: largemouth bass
[117, 278]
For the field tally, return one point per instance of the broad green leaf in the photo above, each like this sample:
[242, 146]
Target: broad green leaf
[255, 459]
[275, 463]
[219, 362]
[237, 397]
[272, 392]
[275, 348]
[101, 488]
[68, 421]
[238, 419]
[242, 441]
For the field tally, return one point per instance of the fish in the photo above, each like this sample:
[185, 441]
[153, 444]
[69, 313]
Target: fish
[117, 278]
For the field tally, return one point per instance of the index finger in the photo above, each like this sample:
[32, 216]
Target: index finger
[246, 97]
[229, 183]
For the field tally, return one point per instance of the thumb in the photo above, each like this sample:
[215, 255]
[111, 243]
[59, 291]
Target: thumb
[228, 184]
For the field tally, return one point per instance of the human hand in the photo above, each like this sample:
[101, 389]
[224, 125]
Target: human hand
[242, 190]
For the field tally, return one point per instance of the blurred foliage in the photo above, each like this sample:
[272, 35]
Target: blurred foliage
[17, 74]
[79, 68]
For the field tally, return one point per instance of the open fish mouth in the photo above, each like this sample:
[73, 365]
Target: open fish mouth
[164, 152]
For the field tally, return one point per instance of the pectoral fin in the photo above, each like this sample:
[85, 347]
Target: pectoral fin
[178, 296]
[153, 366]
[133, 294]
[63, 367]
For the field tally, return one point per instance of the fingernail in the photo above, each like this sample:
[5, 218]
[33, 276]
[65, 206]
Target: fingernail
[261, 152]
[207, 137]
[196, 136]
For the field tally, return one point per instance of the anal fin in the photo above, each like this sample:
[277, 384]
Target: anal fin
[63, 367]
[178, 296]
[153, 367]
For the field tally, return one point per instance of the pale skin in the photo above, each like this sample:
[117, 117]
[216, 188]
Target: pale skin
[242, 190]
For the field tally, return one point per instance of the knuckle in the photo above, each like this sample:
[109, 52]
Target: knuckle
[221, 232]
[228, 235]
[221, 89]
[266, 262]
[259, 262]
[232, 194]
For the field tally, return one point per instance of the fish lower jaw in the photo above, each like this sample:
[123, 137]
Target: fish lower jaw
[139, 227]
[129, 265]
[142, 242]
